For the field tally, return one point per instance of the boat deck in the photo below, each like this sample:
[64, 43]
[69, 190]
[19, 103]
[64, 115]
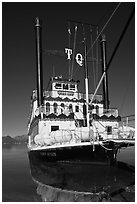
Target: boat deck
[81, 144]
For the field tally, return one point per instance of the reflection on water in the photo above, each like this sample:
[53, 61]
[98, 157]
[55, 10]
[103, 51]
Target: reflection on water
[82, 182]
[64, 181]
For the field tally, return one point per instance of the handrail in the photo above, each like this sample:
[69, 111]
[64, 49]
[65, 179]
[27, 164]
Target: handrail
[78, 95]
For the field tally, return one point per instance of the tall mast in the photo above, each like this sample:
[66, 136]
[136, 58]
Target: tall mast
[69, 35]
[39, 62]
[86, 76]
[104, 69]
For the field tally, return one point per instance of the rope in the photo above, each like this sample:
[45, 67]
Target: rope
[101, 144]
[92, 55]
[97, 88]
[104, 27]
[101, 30]
[105, 147]
[101, 124]
[74, 46]
[97, 57]
[69, 34]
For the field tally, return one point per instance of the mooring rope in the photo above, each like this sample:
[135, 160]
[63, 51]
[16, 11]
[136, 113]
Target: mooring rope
[105, 147]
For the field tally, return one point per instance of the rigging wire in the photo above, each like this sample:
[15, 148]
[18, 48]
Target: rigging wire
[69, 35]
[104, 26]
[92, 55]
[114, 52]
[74, 47]
[97, 61]
[106, 14]
[121, 36]
[102, 30]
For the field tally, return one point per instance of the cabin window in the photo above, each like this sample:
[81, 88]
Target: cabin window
[65, 86]
[77, 108]
[70, 108]
[84, 110]
[54, 128]
[72, 87]
[55, 106]
[97, 110]
[109, 130]
[47, 108]
[58, 86]
[62, 107]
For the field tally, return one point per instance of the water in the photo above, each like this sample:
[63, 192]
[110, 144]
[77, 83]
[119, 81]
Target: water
[17, 184]
[25, 180]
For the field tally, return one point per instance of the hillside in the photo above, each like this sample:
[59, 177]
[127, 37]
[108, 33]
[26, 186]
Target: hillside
[15, 140]
[21, 138]
[8, 140]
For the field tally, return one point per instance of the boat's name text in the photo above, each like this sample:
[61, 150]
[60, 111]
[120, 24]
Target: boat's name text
[79, 58]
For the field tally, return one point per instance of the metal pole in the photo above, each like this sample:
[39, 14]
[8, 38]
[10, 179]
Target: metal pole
[69, 35]
[39, 63]
[86, 76]
[104, 67]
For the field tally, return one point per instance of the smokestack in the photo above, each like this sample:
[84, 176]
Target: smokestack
[39, 62]
[104, 67]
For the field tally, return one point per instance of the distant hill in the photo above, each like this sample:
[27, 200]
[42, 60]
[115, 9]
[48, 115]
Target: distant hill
[8, 140]
[21, 138]
[15, 140]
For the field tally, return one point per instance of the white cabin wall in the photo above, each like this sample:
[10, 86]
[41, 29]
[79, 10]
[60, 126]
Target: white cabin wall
[62, 93]
[77, 115]
[101, 128]
[100, 110]
[63, 125]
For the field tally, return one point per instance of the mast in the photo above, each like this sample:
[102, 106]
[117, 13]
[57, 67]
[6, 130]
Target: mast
[39, 62]
[86, 76]
[104, 69]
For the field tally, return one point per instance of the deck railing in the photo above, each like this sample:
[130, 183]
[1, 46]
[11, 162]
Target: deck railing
[77, 95]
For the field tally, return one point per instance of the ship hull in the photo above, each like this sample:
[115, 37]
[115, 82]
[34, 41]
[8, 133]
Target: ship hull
[88, 153]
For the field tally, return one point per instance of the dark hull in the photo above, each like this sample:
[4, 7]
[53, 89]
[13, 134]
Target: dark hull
[76, 154]
[87, 182]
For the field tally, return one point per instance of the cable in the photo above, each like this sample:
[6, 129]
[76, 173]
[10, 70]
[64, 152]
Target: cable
[69, 35]
[124, 30]
[104, 26]
[121, 36]
[105, 147]
[74, 46]
[92, 55]
[97, 64]
[101, 33]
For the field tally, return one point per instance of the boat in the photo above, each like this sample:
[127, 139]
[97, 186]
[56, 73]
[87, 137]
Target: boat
[66, 125]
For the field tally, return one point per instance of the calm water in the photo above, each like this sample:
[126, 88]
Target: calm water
[25, 180]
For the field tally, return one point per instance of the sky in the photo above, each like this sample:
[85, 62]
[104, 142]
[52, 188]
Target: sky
[19, 62]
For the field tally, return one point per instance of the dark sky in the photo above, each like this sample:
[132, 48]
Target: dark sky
[18, 54]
